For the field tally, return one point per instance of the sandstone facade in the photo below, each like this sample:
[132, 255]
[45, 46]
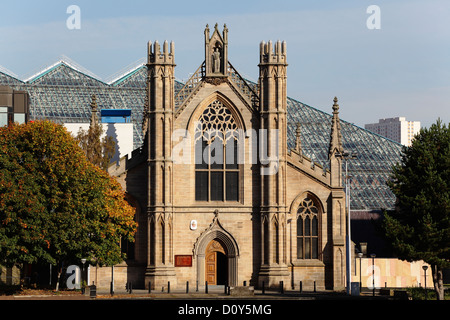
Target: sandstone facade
[234, 223]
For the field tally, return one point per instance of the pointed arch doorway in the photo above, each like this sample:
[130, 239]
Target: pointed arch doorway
[216, 250]
[216, 263]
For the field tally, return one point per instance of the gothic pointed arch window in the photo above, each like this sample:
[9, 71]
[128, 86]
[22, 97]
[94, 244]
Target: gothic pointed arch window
[307, 230]
[216, 155]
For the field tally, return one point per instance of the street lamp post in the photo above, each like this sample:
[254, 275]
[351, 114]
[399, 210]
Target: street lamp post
[425, 278]
[360, 255]
[373, 273]
[112, 280]
[348, 156]
[83, 261]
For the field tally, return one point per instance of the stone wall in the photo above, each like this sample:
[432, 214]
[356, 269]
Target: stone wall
[123, 274]
[390, 273]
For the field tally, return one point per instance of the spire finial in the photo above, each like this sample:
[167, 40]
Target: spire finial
[335, 136]
[94, 103]
[207, 33]
[335, 104]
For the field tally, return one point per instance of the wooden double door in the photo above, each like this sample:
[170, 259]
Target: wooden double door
[216, 261]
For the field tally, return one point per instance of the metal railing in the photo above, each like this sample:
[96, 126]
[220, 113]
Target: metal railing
[243, 85]
[190, 86]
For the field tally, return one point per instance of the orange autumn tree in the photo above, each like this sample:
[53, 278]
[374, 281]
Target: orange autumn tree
[56, 206]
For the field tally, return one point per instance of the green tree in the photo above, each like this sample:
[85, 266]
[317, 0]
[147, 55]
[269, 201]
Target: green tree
[56, 206]
[419, 228]
[98, 150]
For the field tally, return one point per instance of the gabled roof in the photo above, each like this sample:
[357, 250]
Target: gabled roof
[63, 74]
[137, 67]
[63, 62]
[8, 77]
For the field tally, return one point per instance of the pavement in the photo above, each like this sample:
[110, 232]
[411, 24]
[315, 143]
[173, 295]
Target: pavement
[197, 304]
[214, 293]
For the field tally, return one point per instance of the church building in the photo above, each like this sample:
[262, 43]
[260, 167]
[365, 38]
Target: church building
[219, 196]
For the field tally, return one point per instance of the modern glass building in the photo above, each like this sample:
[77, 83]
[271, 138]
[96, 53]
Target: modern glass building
[62, 93]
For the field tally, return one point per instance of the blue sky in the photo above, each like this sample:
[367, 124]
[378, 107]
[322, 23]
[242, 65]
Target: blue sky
[402, 69]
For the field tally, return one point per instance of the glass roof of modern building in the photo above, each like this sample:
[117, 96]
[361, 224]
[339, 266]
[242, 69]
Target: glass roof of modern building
[62, 93]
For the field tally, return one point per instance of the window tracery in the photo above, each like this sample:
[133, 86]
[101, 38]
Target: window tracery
[216, 121]
[307, 230]
[216, 155]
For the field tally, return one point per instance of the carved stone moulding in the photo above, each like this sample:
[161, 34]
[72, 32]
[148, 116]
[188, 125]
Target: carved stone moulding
[215, 80]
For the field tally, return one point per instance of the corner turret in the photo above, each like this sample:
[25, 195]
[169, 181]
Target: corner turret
[155, 56]
[269, 54]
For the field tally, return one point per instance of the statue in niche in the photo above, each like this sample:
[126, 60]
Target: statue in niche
[216, 60]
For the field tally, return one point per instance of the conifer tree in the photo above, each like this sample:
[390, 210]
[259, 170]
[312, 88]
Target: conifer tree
[419, 228]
